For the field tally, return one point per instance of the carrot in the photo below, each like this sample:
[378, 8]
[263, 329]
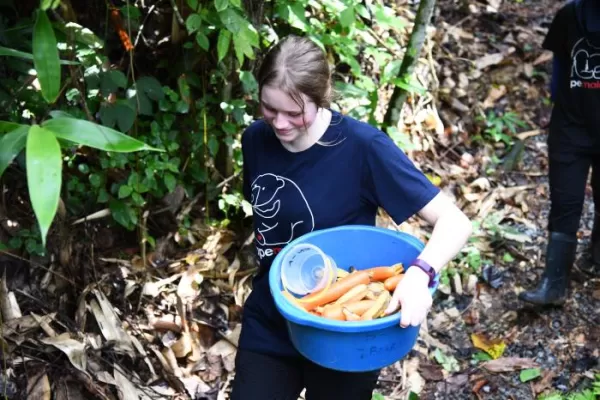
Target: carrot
[335, 291]
[333, 312]
[391, 283]
[342, 273]
[359, 307]
[292, 299]
[379, 274]
[354, 294]
[336, 311]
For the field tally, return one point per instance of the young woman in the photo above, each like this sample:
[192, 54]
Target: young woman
[573, 144]
[307, 167]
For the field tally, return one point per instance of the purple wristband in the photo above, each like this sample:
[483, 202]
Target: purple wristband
[425, 267]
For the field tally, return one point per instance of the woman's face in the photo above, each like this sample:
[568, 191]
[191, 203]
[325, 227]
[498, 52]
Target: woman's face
[284, 115]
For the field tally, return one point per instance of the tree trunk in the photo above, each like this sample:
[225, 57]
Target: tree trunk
[255, 10]
[415, 43]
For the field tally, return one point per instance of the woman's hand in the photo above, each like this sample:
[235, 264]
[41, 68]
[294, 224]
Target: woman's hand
[412, 294]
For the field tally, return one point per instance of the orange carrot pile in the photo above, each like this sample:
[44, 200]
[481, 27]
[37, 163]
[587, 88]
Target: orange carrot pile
[355, 296]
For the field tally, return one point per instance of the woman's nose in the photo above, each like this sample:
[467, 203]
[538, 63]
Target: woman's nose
[279, 122]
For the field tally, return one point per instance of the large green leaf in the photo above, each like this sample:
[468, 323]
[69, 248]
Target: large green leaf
[11, 145]
[60, 114]
[45, 57]
[94, 135]
[6, 126]
[5, 51]
[44, 175]
[46, 4]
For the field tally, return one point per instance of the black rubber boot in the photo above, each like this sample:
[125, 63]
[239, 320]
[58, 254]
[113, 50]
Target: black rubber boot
[560, 255]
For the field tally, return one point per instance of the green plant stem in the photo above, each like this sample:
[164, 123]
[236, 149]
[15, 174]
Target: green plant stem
[415, 43]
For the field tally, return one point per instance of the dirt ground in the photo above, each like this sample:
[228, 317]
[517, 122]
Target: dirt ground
[563, 342]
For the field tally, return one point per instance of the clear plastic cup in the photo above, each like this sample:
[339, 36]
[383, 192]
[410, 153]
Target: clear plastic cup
[306, 269]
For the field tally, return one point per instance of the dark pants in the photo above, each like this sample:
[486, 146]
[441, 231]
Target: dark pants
[264, 377]
[568, 173]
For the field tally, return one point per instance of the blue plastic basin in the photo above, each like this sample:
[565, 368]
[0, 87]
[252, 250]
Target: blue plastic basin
[350, 345]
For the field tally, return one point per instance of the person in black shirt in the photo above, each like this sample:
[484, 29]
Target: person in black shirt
[573, 144]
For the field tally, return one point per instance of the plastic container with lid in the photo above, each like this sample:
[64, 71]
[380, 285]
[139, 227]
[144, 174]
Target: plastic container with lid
[306, 269]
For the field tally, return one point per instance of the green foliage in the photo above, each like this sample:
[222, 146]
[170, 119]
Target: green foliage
[41, 142]
[93, 135]
[28, 240]
[11, 145]
[480, 356]
[44, 157]
[448, 362]
[226, 20]
[501, 128]
[191, 108]
[529, 374]
[343, 29]
[44, 175]
[45, 57]
[591, 393]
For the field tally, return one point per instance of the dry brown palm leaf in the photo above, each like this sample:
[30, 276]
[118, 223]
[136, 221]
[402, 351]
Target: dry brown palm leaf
[38, 386]
[127, 389]
[195, 386]
[25, 324]
[509, 364]
[109, 323]
[74, 349]
[226, 351]
[189, 285]
[69, 391]
[8, 302]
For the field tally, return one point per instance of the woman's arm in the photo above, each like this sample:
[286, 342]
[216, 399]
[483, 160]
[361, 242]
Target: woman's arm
[451, 230]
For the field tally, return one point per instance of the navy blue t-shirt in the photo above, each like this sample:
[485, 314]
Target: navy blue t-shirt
[342, 180]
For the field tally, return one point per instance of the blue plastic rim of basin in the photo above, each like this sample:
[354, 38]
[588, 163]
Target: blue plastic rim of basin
[352, 346]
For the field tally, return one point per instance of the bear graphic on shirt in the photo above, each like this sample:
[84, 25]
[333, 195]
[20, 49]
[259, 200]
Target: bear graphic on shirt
[281, 210]
[585, 61]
